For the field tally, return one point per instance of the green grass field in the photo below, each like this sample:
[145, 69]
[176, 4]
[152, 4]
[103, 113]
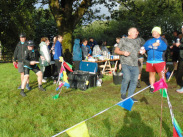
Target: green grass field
[39, 115]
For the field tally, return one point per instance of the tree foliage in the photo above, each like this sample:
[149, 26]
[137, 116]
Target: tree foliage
[15, 17]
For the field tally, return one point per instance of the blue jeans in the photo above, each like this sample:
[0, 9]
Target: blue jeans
[130, 75]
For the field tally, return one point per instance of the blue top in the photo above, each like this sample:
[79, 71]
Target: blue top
[77, 52]
[58, 50]
[155, 53]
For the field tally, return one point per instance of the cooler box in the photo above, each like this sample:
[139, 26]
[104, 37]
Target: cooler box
[88, 66]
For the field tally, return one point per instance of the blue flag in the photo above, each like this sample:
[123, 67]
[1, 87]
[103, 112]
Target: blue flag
[127, 104]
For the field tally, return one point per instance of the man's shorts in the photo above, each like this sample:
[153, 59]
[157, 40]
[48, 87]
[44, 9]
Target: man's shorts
[20, 67]
[35, 70]
[155, 67]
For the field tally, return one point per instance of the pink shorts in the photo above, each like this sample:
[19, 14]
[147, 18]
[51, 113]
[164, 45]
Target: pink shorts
[155, 67]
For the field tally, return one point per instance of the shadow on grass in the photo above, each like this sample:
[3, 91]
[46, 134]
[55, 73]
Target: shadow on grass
[134, 126]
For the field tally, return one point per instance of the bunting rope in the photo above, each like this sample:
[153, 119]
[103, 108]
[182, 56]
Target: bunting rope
[170, 106]
[101, 111]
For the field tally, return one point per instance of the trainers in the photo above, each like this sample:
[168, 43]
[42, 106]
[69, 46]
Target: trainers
[19, 87]
[138, 84]
[180, 90]
[134, 100]
[41, 88]
[28, 87]
[23, 93]
[44, 81]
[123, 96]
[151, 90]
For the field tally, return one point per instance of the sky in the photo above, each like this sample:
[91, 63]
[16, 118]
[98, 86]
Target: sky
[103, 10]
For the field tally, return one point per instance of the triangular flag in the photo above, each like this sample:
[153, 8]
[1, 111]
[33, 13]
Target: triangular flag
[175, 121]
[163, 93]
[69, 65]
[62, 69]
[67, 85]
[65, 78]
[175, 134]
[176, 128]
[56, 96]
[160, 84]
[127, 104]
[80, 130]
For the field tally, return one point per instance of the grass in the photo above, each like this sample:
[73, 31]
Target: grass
[38, 115]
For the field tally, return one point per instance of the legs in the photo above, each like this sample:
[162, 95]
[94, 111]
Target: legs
[130, 74]
[134, 79]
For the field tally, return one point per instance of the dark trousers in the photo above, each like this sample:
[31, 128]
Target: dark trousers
[180, 73]
[57, 68]
[76, 65]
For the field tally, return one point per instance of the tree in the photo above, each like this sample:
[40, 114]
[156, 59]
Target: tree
[15, 17]
[69, 13]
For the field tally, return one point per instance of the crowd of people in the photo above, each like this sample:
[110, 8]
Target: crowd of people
[131, 48]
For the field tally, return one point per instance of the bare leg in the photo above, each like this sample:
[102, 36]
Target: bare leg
[40, 77]
[22, 77]
[24, 82]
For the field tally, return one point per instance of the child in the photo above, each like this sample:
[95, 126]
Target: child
[31, 58]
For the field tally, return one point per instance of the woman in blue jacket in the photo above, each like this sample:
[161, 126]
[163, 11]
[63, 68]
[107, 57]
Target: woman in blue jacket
[58, 53]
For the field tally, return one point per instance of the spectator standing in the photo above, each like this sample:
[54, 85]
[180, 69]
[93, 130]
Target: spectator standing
[58, 53]
[179, 77]
[92, 43]
[155, 48]
[77, 54]
[86, 51]
[140, 64]
[43, 63]
[174, 50]
[19, 55]
[128, 49]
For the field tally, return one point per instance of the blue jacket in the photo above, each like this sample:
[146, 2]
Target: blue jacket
[77, 52]
[155, 53]
[58, 50]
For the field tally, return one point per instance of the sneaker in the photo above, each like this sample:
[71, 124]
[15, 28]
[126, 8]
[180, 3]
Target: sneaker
[180, 90]
[19, 87]
[44, 81]
[134, 100]
[41, 88]
[23, 93]
[27, 87]
[123, 96]
[151, 90]
[138, 84]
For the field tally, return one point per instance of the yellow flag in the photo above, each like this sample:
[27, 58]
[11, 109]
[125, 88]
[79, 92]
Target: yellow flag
[80, 130]
[65, 78]
[61, 59]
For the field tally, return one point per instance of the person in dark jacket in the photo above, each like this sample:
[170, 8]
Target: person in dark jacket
[19, 54]
[77, 54]
[30, 63]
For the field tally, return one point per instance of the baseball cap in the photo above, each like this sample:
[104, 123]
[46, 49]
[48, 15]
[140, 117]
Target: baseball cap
[30, 43]
[22, 35]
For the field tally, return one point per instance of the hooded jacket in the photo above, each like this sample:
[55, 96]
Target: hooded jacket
[77, 52]
[19, 52]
